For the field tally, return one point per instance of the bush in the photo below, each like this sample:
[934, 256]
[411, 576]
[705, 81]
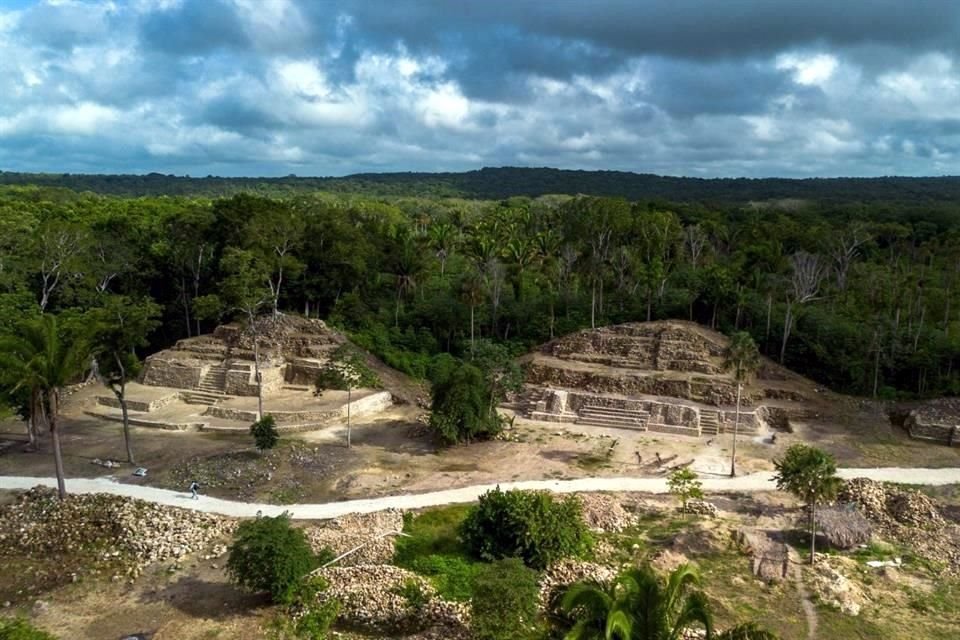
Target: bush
[20, 629]
[267, 554]
[505, 601]
[306, 617]
[265, 433]
[530, 525]
[461, 409]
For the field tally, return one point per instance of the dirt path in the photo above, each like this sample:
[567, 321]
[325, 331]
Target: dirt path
[761, 481]
[809, 610]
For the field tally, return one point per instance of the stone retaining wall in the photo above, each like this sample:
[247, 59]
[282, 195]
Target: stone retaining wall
[565, 405]
[943, 433]
[165, 373]
[144, 406]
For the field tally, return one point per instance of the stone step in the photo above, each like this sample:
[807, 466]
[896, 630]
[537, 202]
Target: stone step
[610, 424]
[672, 429]
[638, 418]
[613, 411]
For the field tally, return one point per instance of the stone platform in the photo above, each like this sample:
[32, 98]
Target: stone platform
[665, 377]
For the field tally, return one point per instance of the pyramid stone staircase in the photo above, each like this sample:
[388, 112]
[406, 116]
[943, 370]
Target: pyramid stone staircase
[709, 422]
[613, 417]
[210, 391]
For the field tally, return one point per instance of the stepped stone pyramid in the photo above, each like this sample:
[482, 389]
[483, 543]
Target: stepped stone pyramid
[292, 350]
[665, 377]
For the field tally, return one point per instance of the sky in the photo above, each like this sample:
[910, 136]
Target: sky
[706, 88]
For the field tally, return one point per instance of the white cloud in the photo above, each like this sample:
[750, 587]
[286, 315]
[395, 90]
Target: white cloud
[808, 70]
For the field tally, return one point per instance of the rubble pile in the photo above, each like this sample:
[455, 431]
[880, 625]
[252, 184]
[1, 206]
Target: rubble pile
[701, 508]
[561, 575]
[836, 589]
[604, 513]
[354, 530]
[901, 515]
[372, 598]
[114, 527]
[887, 505]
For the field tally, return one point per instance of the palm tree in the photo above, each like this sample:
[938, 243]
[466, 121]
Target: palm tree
[472, 293]
[638, 605]
[742, 359]
[41, 359]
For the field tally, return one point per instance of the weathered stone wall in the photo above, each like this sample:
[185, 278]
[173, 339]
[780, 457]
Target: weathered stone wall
[919, 426]
[240, 379]
[163, 373]
[302, 372]
[718, 391]
[144, 406]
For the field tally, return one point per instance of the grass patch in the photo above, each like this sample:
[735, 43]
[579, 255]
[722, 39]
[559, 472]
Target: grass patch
[434, 551]
[592, 461]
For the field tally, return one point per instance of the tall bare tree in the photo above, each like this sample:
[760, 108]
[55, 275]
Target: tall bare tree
[807, 272]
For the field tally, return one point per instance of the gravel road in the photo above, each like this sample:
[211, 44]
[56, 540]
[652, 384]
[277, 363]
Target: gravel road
[748, 483]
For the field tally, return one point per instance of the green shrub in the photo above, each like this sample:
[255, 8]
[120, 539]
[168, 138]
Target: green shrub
[267, 554]
[530, 525]
[432, 548]
[20, 629]
[305, 617]
[505, 601]
[414, 594]
[452, 576]
[264, 432]
[462, 410]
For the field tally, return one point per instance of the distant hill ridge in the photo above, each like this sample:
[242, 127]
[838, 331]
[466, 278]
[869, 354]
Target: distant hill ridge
[504, 182]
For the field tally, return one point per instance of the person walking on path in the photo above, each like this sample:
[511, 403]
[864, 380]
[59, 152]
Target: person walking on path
[194, 489]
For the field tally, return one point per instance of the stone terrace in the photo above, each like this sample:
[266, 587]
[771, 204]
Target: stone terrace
[658, 376]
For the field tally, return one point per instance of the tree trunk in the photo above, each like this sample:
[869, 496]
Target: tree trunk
[54, 399]
[349, 396]
[186, 304]
[593, 306]
[813, 533]
[396, 313]
[876, 369]
[33, 424]
[257, 375]
[787, 326]
[736, 429]
[766, 338]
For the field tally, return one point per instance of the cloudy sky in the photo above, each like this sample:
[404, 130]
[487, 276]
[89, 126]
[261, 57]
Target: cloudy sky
[331, 87]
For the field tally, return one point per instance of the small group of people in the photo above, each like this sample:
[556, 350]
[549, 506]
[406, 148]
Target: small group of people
[657, 454]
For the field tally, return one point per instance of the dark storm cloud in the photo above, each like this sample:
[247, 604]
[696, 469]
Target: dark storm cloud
[699, 87]
[194, 27]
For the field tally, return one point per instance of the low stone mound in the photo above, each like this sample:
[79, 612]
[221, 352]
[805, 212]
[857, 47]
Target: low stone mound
[564, 573]
[295, 336]
[700, 508]
[834, 588]
[372, 598]
[127, 529]
[604, 513]
[354, 530]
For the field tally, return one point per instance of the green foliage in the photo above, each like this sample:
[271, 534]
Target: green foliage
[530, 525]
[462, 410]
[269, 555]
[432, 548]
[346, 369]
[808, 473]
[811, 475]
[640, 605]
[742, 358]
[265, 434]
[21, 629]
[305, 617]
[684, 485]
[504, 603]
[413, 593]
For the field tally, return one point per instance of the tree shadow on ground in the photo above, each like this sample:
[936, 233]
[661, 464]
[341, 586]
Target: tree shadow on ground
[204, 599]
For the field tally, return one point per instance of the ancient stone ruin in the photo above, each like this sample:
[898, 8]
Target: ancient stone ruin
[215, 373]
[665, 377]
[937, 421]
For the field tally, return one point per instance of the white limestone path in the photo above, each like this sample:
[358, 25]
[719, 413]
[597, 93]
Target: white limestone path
[748, 483]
